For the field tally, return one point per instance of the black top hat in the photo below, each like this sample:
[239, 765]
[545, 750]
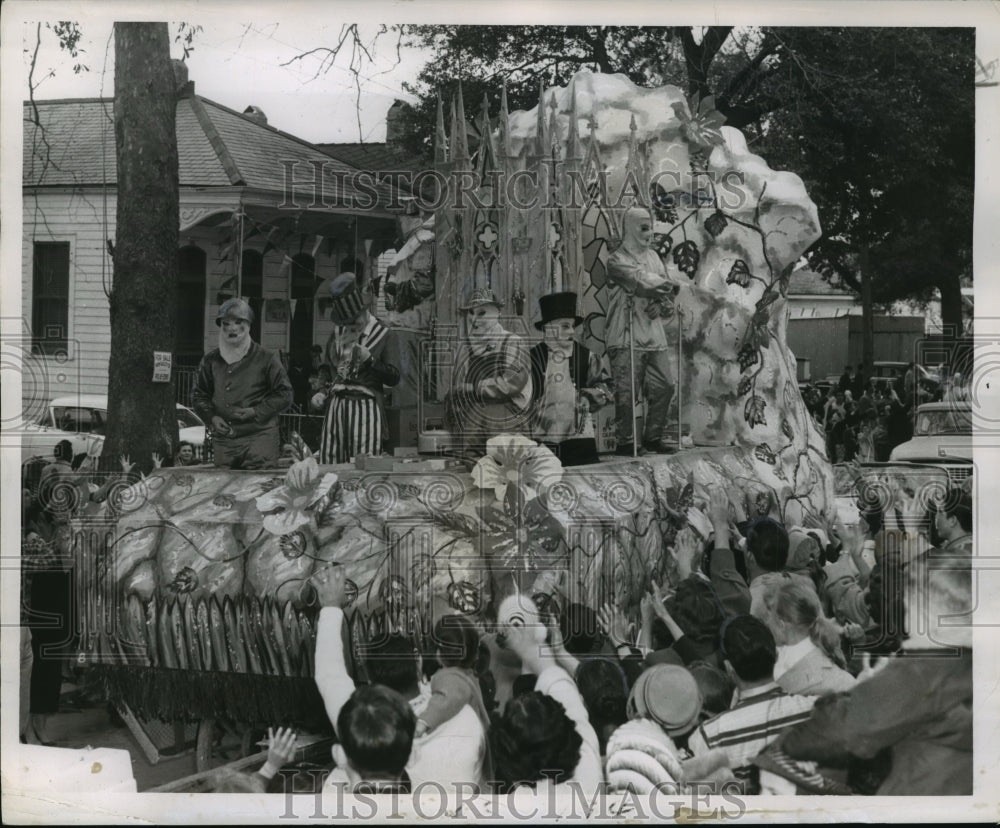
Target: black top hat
[558, 306]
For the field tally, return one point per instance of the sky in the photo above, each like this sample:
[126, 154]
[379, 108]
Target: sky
[239, 63]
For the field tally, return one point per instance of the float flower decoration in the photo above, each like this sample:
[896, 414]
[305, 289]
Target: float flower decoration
[700, 121]
[520, 472]
[293, 504]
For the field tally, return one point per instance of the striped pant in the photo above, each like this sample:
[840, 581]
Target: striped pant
[353, 426]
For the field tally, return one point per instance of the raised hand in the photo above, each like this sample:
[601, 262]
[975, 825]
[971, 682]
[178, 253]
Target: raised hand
[718, 505]
[281, 746]
[613, 624]
[330, 586]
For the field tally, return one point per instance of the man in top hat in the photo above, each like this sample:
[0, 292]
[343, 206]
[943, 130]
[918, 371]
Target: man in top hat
[356, 353]
[241, 388]
[568, 383]
[491, 385]
[640, 296]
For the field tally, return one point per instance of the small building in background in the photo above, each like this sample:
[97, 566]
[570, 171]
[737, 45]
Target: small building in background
[825, 328]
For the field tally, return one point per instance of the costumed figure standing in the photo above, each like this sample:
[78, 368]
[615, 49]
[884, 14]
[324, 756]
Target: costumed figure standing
[491, 386]
[241, 388]
[640, 295]
[569, 384]
[355, 420]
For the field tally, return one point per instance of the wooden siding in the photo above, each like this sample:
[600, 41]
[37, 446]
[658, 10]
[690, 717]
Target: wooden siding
[77, 217]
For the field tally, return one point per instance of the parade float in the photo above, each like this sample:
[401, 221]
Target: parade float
[197, 603]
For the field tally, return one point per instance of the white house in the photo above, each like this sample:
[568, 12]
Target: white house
[250, 220]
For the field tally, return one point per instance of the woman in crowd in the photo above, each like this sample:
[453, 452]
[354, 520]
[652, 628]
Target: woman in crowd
[810, 661]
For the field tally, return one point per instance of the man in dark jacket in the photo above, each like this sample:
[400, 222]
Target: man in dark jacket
[240, 390]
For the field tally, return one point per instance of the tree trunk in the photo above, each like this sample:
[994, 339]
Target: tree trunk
[951, 306]
[867, 314]
[141, 414]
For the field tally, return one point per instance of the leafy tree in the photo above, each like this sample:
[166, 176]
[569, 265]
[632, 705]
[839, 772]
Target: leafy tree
[882, 131]
[878, 122]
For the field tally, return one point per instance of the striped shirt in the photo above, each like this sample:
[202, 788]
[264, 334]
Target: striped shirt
[756, 719]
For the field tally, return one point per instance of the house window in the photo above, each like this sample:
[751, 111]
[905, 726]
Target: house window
[252, 284]
[302, 289]
[189, 341]
[50, 298]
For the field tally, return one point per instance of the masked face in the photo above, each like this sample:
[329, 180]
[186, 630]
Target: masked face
[483, 319]
[235, 331]
[559, 331]
[638, 229]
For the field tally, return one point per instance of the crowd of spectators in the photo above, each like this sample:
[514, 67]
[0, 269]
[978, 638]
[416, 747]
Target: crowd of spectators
[765, 644]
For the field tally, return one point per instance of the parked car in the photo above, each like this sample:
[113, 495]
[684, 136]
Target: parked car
[81, 418]
[942, 435]
[886, 374]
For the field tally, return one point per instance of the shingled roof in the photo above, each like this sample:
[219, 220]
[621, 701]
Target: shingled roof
[217, 147]
[377, 157]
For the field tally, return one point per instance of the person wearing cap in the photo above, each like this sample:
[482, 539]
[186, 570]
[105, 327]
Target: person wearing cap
[491, 385]
[240, 389]
[639, 307]
[663, 707]
[356, 351]
[568, 383]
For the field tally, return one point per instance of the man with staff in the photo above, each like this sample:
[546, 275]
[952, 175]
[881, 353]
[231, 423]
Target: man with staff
[640, 302]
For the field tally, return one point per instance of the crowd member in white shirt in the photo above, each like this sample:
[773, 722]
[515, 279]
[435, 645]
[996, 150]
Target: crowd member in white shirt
[544, 737]
[374, 724]
[452, 754]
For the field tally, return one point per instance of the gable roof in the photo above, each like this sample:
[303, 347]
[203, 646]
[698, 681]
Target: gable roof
[217, 147]
[806, 282]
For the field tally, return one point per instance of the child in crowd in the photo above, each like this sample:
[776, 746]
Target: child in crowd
[456, 683]
[374, 724]
[280, 751]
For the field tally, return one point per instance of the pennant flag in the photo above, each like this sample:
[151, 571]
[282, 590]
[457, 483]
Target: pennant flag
[291, 304]
[268, 245]
[317, 243]
[252, 230]
[226, 250]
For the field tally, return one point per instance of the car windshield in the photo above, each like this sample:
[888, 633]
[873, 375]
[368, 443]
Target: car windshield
[77, 419]
[186, 418]
[944, 422]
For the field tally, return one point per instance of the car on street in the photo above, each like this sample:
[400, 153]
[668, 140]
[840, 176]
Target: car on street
[81, 419]
[942, 435]
[885, 374]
